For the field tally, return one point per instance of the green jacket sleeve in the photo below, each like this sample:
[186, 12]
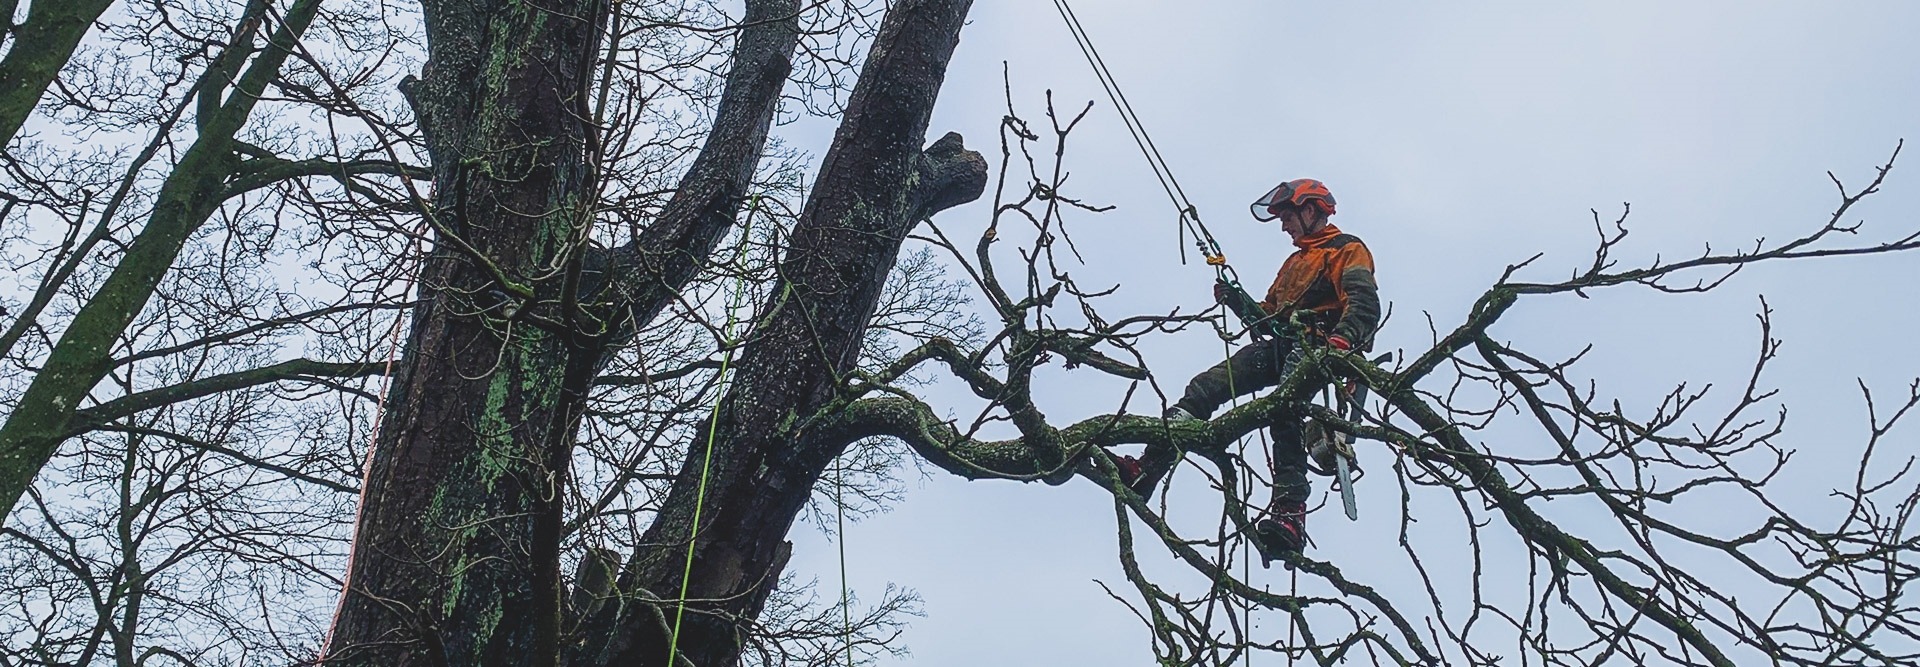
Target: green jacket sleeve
[1361, 318]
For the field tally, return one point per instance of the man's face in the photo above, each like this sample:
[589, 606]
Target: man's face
[1298, 222]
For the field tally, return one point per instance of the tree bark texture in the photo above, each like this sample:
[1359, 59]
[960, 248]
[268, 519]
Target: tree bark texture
[455, 560]
[875, 185]
[456, 553]
[199, 183]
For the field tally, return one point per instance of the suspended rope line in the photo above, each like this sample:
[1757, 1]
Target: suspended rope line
[840, 536]
[1189, 214]
[1246, 491]
[373, 440]
[1114, 94]
[1189, 223]
[1246, 605]
[713, 426]
[1293, 593]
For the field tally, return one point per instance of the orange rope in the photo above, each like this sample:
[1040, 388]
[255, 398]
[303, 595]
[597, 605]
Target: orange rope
[373, 439]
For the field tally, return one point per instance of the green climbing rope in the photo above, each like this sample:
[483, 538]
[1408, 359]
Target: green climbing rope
[713, 425]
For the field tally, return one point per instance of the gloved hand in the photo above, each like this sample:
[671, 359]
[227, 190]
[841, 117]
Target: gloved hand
[1220, 293]
[1339, 343]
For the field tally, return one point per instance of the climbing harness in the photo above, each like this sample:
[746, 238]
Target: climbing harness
[1258, 323]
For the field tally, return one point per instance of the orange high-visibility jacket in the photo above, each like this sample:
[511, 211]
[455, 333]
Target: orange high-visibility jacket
[1331, 277]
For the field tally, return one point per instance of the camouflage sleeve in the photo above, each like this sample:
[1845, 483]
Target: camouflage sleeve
[1362, 315]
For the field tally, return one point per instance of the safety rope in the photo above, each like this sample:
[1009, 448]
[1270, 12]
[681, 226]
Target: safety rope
[1189, 223]
[713, 426]
[1189, 214]
[1293, 593]
[1246, 490]
[1246, 555]
[840, 536]
[373, 440]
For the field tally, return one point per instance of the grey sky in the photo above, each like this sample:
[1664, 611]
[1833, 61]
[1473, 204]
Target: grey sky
[1458, 137]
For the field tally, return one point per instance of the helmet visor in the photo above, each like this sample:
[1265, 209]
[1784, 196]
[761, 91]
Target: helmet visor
[1267, 207]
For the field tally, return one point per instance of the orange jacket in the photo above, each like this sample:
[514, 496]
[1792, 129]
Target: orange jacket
[1331, 276]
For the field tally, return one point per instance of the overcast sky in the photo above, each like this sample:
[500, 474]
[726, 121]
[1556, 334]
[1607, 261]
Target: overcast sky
[1458, 138]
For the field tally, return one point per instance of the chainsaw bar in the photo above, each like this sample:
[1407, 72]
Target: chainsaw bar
[1343, 457]
[1344, 474]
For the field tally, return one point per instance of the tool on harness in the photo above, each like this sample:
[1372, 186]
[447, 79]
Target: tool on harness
[1330, 452]
[1324, 445]
[1344, 465]
[1287, 525]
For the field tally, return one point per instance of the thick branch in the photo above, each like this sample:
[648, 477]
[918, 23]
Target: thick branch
[263, 172]
[651, 270]
[133, 404]
[41, 46]
[875, 184]
[1026, 458]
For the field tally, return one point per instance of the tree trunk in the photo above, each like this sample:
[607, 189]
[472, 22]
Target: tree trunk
[456, 553]
[874, 186]
[455, 561]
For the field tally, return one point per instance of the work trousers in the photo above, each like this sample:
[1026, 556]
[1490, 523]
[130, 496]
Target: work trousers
[1257, 366]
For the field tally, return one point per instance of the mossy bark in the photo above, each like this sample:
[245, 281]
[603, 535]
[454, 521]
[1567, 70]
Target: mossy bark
[875, 184]
[456, 554]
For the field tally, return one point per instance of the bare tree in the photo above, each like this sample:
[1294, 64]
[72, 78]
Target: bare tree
[241, 55]
[1655, 584]
[219, 322]
[586, 367]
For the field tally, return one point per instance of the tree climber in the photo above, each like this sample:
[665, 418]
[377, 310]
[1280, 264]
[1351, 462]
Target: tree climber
[1328, 281]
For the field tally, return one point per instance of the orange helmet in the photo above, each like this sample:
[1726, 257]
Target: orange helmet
[1297, 192]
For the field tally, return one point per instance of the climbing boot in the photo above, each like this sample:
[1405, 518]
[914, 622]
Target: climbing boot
[1284, 531]
[1141, 474]
[1129, 468]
